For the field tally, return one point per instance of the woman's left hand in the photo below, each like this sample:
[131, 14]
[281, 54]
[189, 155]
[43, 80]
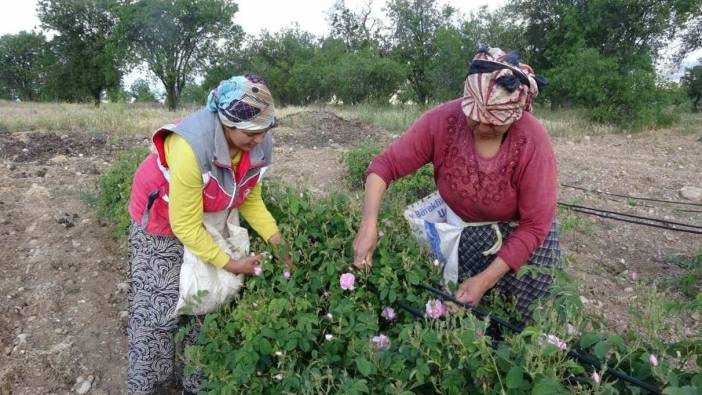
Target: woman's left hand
[471, 290]
[282, 253]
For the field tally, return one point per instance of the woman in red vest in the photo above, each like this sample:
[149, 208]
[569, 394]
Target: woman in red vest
[495, 168]
[211, 161]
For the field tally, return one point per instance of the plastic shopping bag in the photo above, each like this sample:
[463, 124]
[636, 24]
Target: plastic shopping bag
[204, 288]
[434, 225]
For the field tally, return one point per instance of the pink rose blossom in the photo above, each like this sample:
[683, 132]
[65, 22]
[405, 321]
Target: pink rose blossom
[347, 280]
[286, 274]
[381, 341]
[389, 314]
[596, 377]
[653, 360]
[258, 270]
[435, 309]
[551, 339]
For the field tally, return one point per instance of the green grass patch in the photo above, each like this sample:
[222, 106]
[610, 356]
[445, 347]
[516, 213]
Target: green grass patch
[570, 221]
[396, 118]
[406, 190]
[115, 186]
[690, 282]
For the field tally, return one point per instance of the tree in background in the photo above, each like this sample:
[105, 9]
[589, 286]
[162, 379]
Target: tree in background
[89, 53]
[357, 29]
[285, 59]
[414, 24]
[600, 54]
[24, 60]
[141, 92]
[175, 37]
[693, 82]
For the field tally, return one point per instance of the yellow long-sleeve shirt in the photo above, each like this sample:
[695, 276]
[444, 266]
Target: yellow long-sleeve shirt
[185, 204]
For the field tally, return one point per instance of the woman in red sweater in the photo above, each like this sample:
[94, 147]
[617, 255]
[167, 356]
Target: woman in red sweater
[493, 162]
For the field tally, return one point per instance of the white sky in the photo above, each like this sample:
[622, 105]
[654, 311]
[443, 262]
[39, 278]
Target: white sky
[253, 15]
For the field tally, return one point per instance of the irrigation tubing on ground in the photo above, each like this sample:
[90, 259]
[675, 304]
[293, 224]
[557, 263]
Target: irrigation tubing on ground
[578, 356]
[632, 197]
[634, 219]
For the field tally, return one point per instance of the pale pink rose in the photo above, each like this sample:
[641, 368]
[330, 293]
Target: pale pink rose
[653, 360]
[596, 377]
[286, 274]
[435, 309]
[347, 281]
[551, 339]
[389, 314]
[257, 270]
[381, 341]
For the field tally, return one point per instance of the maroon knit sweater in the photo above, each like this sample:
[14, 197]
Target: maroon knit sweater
[518, 183]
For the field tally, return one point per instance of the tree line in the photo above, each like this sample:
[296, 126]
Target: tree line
[599, 55]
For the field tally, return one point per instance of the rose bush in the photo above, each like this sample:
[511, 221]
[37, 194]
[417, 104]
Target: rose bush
[323, 331]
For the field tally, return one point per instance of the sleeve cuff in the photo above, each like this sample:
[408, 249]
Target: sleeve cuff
[220, 260]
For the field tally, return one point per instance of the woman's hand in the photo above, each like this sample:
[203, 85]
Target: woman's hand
[364, 245]
[367, 236]
[471, 290]
[280, 249]
[246, 265]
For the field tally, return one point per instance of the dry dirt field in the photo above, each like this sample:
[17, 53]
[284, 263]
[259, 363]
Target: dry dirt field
[63, 278]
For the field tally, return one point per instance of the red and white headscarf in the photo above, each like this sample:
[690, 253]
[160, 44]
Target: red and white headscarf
[486, 100]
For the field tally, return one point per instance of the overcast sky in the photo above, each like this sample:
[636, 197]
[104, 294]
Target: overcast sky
[253, 15]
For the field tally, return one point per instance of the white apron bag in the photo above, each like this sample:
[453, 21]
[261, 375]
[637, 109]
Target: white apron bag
[204, 288]
[434, 225]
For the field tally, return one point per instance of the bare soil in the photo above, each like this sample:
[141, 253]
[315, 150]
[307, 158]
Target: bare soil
[63, 279]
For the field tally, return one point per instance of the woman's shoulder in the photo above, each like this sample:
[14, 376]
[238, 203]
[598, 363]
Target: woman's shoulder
[450, 109]
[533, 129]
[442, 116]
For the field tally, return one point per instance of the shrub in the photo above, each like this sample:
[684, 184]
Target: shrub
[115, 186]
[406, 190]
[307, 335]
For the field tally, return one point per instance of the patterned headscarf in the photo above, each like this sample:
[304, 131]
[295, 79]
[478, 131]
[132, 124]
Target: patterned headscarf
[498, 88]
[243, 102]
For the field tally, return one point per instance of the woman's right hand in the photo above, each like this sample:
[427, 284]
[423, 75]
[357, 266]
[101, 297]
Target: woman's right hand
[246, 265]
[364, 245]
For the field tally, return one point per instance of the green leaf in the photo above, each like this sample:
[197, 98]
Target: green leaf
[547, 385]
[515, 377]
[686, 390]
[601, 349]
[364, 367]
[589, 339]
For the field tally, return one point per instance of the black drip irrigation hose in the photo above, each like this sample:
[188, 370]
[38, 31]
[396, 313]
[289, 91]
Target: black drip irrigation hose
[634, 219]
[577, 355]
[517, 328]
[632, 197]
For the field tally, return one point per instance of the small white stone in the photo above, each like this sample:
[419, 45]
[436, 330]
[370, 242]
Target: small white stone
[628, 289]
[584, 300]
